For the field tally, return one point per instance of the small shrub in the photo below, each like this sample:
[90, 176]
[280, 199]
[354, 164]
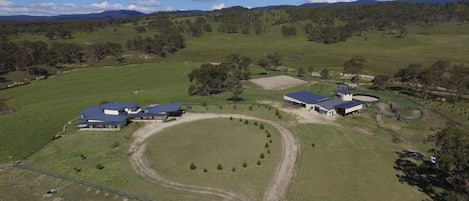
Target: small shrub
[205, 170]
[206, 108]
[268, 151]
[277, 112]
[266, 145]
[240, 120]
[231, 118]
[219, 167]
[279, 116]
[266, 131]
[83, 156]
[234, 107]
[269, 135]
[115, 144]
[77, 169]
[99, 166]
[255, 123]
[261, 126]
[259, 162]
[192, 166]
[245, 165]
[246, 122]
[233, 169]
[221, 107]
[262, 156]
[250, 108]
[270, 141]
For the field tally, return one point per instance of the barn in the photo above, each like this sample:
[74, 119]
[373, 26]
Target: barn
[323, 105]
[108, 116]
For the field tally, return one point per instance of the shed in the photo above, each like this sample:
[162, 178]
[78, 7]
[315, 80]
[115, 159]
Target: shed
[349, 107]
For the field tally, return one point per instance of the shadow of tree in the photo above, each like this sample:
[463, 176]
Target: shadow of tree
[416, 171]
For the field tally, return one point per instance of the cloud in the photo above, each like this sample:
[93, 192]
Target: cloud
[204, 1]
[8, 7]
[218, 6]
[169, 8]
[328, 1]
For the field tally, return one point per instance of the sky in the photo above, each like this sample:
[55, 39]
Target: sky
[60, 7]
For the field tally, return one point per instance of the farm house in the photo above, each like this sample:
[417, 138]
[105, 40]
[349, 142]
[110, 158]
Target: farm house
[115, 115]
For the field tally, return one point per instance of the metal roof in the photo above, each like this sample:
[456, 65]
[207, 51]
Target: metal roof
[349, 104]
[307, 97]
[157, 109]
[343, 92]
[330, 104]
[118, 105]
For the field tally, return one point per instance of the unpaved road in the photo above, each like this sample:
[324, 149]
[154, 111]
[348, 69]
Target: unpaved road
[276, 190]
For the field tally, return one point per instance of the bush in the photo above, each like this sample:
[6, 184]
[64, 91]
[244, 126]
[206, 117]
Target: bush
[245, 165]
[205, 170]
[240, 120]
[262, 156]
[268, 151]
[83, 156]
[231, 118]
[246, 121]
[277, 112]
[77, 169]
[279, 116]
[219, 167]
[255, 123]
[115, 144]
[266, 145]
[259, 163]
[270, 141]
[192, 166]
[261, 126]
[250, 108]
[221, 107]
[233, 169]
[269, 135]
[99, 166]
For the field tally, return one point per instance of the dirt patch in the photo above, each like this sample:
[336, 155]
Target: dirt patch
[364, 130]
[277, 82]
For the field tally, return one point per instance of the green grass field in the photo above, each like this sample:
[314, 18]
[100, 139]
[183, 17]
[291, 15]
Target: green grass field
[346, 163]
[207, 143]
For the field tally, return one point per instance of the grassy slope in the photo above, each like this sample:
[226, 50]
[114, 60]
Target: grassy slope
[208, 143]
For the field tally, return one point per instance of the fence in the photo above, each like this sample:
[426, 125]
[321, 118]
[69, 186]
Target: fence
[82, 182]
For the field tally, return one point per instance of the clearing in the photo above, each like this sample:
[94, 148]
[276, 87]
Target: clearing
[278, 82]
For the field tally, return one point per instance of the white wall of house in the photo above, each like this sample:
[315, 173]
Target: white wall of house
[94, 121]
[353, 109]
[130, 111]
[111, 112]
[346, 97]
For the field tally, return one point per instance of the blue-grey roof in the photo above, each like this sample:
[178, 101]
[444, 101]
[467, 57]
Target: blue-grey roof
[93, 110]
[331, 103]
[118, 105]
[343, 91]
[348, 104]
[157, 109]
[307, 97]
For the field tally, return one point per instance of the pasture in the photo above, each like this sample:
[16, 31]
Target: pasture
[207, 143]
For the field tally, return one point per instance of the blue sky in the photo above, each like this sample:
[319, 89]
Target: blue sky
[58, 7]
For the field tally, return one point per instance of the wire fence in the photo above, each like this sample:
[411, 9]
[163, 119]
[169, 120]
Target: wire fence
[82, 182]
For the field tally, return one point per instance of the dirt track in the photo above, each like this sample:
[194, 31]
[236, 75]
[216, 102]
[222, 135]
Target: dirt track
[276, 190]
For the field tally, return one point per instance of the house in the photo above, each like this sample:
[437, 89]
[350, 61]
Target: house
[323, 105]
[113, 116]
[159, 112]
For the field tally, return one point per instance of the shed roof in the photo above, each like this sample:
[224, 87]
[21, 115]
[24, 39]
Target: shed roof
[307, 97]
[330, 104]
[163, 108]
[349, 104]
[343, 92]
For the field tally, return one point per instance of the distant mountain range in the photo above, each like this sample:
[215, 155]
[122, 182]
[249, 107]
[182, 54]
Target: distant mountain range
[115, 14]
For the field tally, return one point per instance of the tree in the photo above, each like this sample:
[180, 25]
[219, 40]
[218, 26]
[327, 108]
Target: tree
[301, 72]
[325, 74]
[239, 65]
[381, 81]
[234, 85]
[452, 149]
[192, 166]
[219, 167]
[310, 72]
[354, 65]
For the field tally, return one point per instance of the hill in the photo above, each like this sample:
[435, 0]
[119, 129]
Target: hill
[113, 14]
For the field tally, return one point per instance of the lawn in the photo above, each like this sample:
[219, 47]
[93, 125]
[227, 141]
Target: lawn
[350, 161]
[207, 143]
